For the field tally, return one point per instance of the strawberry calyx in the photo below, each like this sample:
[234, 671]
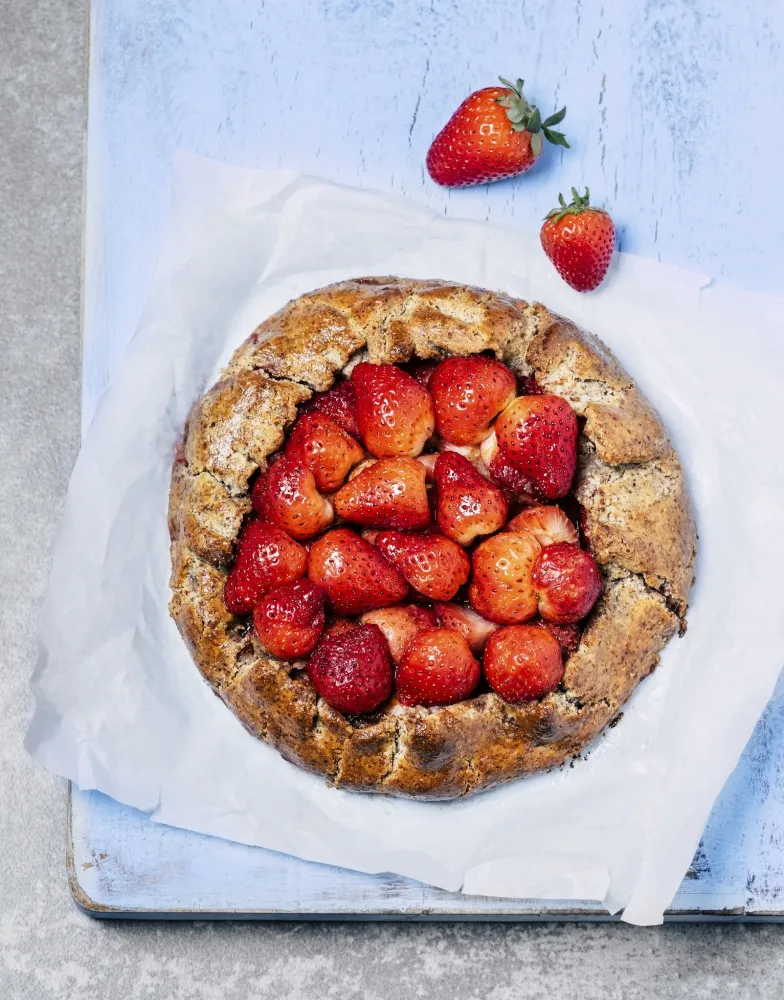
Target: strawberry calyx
[525, 117]
[578, 204]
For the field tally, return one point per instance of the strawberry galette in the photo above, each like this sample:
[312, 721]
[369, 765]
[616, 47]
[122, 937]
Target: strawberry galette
[426, 538]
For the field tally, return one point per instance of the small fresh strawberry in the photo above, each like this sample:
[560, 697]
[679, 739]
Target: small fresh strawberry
[579, 240]
[435, 566]
[467, 504]
[266, 558]
[437, 668]
[567, 582]
[495, 133]
[290, 619]
[476, 629]
[548, 525]
[523, 663]
[391, 493]
[400, 624]
[339, 404]
[286, 494]
[502, 589]
[395, 412]
[422, 371]
[354, 574]
[352, 670]
[325, 448]
[537, 436]
[468, 394]
[568, 636]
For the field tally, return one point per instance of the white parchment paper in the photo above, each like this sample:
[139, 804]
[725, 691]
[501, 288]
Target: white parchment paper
[121, 708]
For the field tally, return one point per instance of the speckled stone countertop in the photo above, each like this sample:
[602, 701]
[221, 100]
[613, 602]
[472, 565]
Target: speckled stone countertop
[48, 949]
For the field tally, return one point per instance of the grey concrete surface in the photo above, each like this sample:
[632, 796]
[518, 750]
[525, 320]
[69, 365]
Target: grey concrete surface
[47, 948]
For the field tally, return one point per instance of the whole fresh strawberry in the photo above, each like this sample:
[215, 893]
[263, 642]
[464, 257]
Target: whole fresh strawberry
[290, 619]
[437, 668]
[537, 436]
[391, 493]
[579, 239]
[495, 133]
[266, 558]
[434, 565]
[352, 670]
[354, 575]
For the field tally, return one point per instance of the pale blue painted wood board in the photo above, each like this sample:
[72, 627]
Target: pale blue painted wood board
[668, 105]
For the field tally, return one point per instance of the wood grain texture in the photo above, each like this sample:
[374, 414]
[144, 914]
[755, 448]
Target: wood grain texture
[668, 106]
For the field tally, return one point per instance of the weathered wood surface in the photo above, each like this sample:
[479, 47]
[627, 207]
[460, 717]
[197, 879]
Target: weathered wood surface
[668, 117]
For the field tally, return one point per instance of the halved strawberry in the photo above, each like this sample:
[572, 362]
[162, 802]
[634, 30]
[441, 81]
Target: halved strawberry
[286, 494]
[325, 448]
[266, 558]
[354, 575]
[429, 463]
[394, 411]
[435, 566]
[567, 582]
[437, 668]
[468, 394]
[290, 619]
[339, 404]
[568, 636]
[548, 525]
[523, 663]
[467, 504]
[538, 436]
[476, 629]
[502, 588]
[391, 493]
[400, 624]
[352, 670]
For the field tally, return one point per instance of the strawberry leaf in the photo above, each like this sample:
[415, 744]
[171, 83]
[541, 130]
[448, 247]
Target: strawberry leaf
[556, 138]
[556, 118]
[534, 121]
[536, 143]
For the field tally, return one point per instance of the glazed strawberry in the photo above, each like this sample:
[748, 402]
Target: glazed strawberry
[266, 558]
[394, 411]
[467, 504]
[354, 574]
[523, 663]
[435, 566]
[505, 473]
[286, 494]
[538, 436]
[567, 636]
[529, 386]
[567, 582]
[579, 240]
[352, 670]
[391, 493]
[290, 619]
[422, 371]
[468, 394]
[339, 404]
[429, 463]
[502, 589]
[400, 624]
[548, 525]
[437, 668]
[325, 448]
[476, 629]
[495, 133]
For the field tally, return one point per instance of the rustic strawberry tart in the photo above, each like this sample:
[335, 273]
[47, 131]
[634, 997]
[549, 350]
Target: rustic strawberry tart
[426, 538]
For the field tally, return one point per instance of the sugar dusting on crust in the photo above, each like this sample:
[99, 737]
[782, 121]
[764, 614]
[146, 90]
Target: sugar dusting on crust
[637, 517]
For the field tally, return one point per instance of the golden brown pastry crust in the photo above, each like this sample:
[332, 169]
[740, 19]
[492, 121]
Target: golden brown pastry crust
[638, 521]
